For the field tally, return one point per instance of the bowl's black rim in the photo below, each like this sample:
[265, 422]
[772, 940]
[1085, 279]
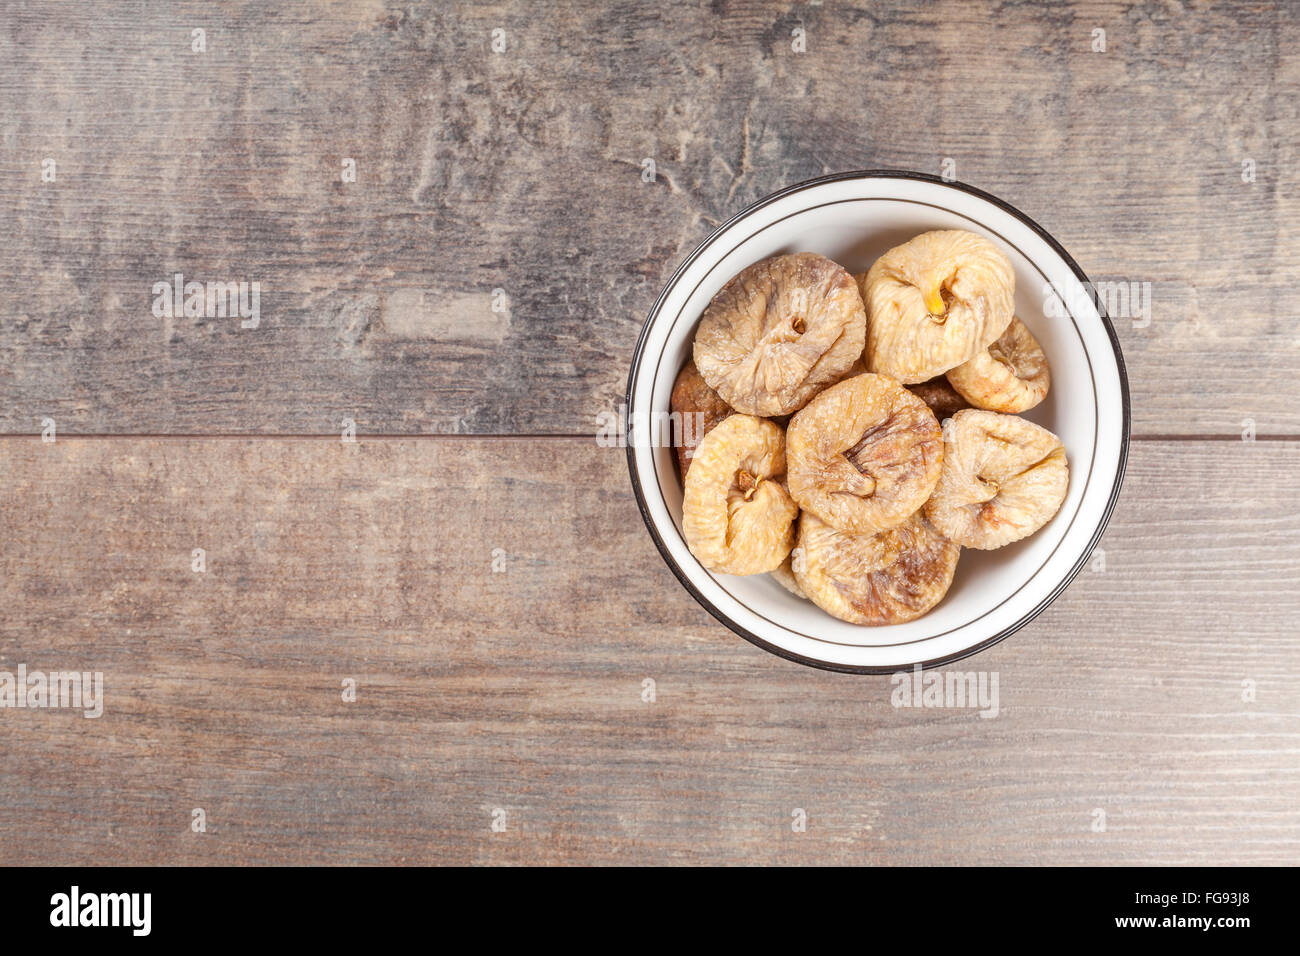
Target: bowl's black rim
[1101, 525]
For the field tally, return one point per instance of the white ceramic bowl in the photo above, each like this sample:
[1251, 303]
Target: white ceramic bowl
[853, 218]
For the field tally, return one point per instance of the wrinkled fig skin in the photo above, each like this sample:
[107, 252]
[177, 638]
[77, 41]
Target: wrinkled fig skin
[857, 368]
[1011, 375]
[736, 515]
[1003, 479]
[935, 302]
[780, 332]
[864, 455]
[785, 577]
[700, 410]
[886, 578]
[942, 398]
[785, 573]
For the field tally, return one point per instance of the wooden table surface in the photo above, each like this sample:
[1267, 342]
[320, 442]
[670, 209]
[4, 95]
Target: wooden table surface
[475, 562]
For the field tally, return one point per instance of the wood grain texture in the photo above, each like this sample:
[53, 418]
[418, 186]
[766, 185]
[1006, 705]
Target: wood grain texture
[521, 689]
[521, 171]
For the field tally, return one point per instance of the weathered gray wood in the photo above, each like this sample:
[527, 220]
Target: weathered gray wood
[521, 689]
[521, 171]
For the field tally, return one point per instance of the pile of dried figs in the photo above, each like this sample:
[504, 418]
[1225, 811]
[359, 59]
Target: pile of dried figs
[818, 454]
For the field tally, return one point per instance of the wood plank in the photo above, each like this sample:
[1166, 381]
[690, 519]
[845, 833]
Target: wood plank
[521, 689]
[521, 171]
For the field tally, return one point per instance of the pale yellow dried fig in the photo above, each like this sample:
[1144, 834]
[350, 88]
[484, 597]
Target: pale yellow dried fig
[698, 409]
[785, 573]
[779, 332]
[864, 454]
[736, 515]
[1003, 479]
[935, 302]
[885, 578]
[939, 394]
[857, 368]
[1011, 375]
[785, 577]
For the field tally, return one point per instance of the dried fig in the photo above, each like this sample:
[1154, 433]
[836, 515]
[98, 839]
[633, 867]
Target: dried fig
[736, 515]
[864, 454]
[942, 398]
[779, 332]
[698, 409]
[885, 578]
[934, 302]
[785, 577]
[1011, 375]
[857, 368]
[785, 573]
[1003, 479]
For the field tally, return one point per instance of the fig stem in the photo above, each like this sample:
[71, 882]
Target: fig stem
[934, 300]
[747, 484]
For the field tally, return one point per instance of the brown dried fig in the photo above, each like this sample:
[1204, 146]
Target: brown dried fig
[736, 515]
[864, 454]
[1003, 479]
[935, 302]
[885, 578]
[698, 409]
[779, 332]
[1011, 375]
[942, 398]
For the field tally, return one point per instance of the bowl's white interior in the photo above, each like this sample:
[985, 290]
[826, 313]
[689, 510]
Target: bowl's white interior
[853, 222]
